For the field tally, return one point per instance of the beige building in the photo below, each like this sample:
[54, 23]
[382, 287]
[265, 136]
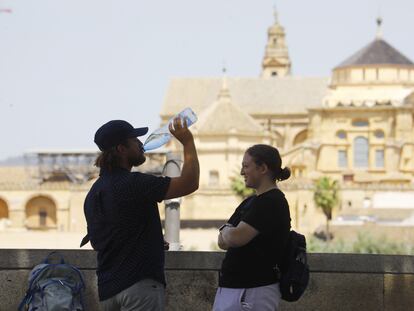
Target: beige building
[355, 126]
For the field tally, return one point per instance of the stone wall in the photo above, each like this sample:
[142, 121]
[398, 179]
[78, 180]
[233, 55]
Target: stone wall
[338, 281]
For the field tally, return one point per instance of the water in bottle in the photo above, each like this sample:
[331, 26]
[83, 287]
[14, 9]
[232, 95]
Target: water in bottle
[162, 135]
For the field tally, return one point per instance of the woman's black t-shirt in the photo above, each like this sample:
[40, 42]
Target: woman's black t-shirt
[252, 265]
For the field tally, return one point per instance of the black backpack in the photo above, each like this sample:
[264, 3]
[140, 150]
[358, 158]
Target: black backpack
[294, 276]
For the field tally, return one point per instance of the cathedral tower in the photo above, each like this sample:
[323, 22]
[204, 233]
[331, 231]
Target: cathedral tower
[276, 61]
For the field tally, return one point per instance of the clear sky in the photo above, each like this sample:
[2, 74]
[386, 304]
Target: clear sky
[68, 66]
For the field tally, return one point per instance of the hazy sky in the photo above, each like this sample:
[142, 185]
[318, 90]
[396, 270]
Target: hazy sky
[67, 66]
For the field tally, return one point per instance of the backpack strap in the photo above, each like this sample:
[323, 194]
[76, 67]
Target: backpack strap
[26, 300]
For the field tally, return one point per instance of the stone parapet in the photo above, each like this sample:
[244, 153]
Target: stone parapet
[338, 281]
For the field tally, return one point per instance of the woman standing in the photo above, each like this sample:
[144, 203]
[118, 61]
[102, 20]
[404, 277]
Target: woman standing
[255, 237]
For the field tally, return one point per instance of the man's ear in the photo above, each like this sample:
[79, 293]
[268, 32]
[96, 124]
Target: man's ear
[120, 148]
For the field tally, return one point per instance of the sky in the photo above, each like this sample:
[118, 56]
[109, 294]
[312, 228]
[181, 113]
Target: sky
[68, 66]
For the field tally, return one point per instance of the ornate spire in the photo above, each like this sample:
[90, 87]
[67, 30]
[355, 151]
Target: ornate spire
[379, 28]
[224, 91]
[276, 15]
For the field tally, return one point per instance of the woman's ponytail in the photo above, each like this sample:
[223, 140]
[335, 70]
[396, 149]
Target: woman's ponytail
[284, 174]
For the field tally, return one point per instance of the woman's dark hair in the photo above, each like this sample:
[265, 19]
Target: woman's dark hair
[265, 154]
[109, 159]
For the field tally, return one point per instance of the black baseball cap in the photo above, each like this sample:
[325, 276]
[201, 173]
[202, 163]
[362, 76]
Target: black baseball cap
[114, 132]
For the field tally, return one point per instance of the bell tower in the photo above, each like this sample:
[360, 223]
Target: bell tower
[276, 61]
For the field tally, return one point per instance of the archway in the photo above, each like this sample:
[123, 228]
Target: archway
[300, 137]
[41, 213]
[278, 139]
[4, 209]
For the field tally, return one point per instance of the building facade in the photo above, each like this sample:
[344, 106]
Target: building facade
[355, 126]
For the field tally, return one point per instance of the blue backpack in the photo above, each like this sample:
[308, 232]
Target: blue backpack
[54, 287]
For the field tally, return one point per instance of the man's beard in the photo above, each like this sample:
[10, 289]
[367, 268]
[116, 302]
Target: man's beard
[137, 161]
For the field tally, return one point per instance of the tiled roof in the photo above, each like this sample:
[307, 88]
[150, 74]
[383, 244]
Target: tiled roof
[378, 52]
[23, 178]
[223, 116]
[283, 95]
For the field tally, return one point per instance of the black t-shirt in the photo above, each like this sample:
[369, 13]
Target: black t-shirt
[252, 265]
[124, 228]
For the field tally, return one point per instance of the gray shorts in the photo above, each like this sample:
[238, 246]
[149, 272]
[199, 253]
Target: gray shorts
[263, 298]
[145, 295]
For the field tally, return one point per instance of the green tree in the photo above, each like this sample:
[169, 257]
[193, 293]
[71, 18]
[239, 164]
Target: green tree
[366, 244]
[239, 188]
[326, 198]
[363, 244]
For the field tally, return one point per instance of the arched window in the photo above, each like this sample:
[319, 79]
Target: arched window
[379, 134]
[41, 213]
[214, 178]
[361, 152]
[4, 210]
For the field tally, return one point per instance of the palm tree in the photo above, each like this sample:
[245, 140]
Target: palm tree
[239, 188]
[326, 197]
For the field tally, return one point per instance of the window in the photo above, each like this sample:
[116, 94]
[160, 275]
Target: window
[274, 41]
[274, 73]
[379, 134]
[360, 123]
[379, 158]
[361, 152]
[342, 159]
[341, 134]
[297, 171]
[214, 178]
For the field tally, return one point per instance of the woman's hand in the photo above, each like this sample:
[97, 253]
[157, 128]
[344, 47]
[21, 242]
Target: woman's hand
[220, 241]
[238, 236]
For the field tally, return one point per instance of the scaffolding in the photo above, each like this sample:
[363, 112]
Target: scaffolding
[78, 166]
[73, 166]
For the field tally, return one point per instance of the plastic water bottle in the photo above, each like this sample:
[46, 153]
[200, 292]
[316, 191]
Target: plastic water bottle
[162, 135]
